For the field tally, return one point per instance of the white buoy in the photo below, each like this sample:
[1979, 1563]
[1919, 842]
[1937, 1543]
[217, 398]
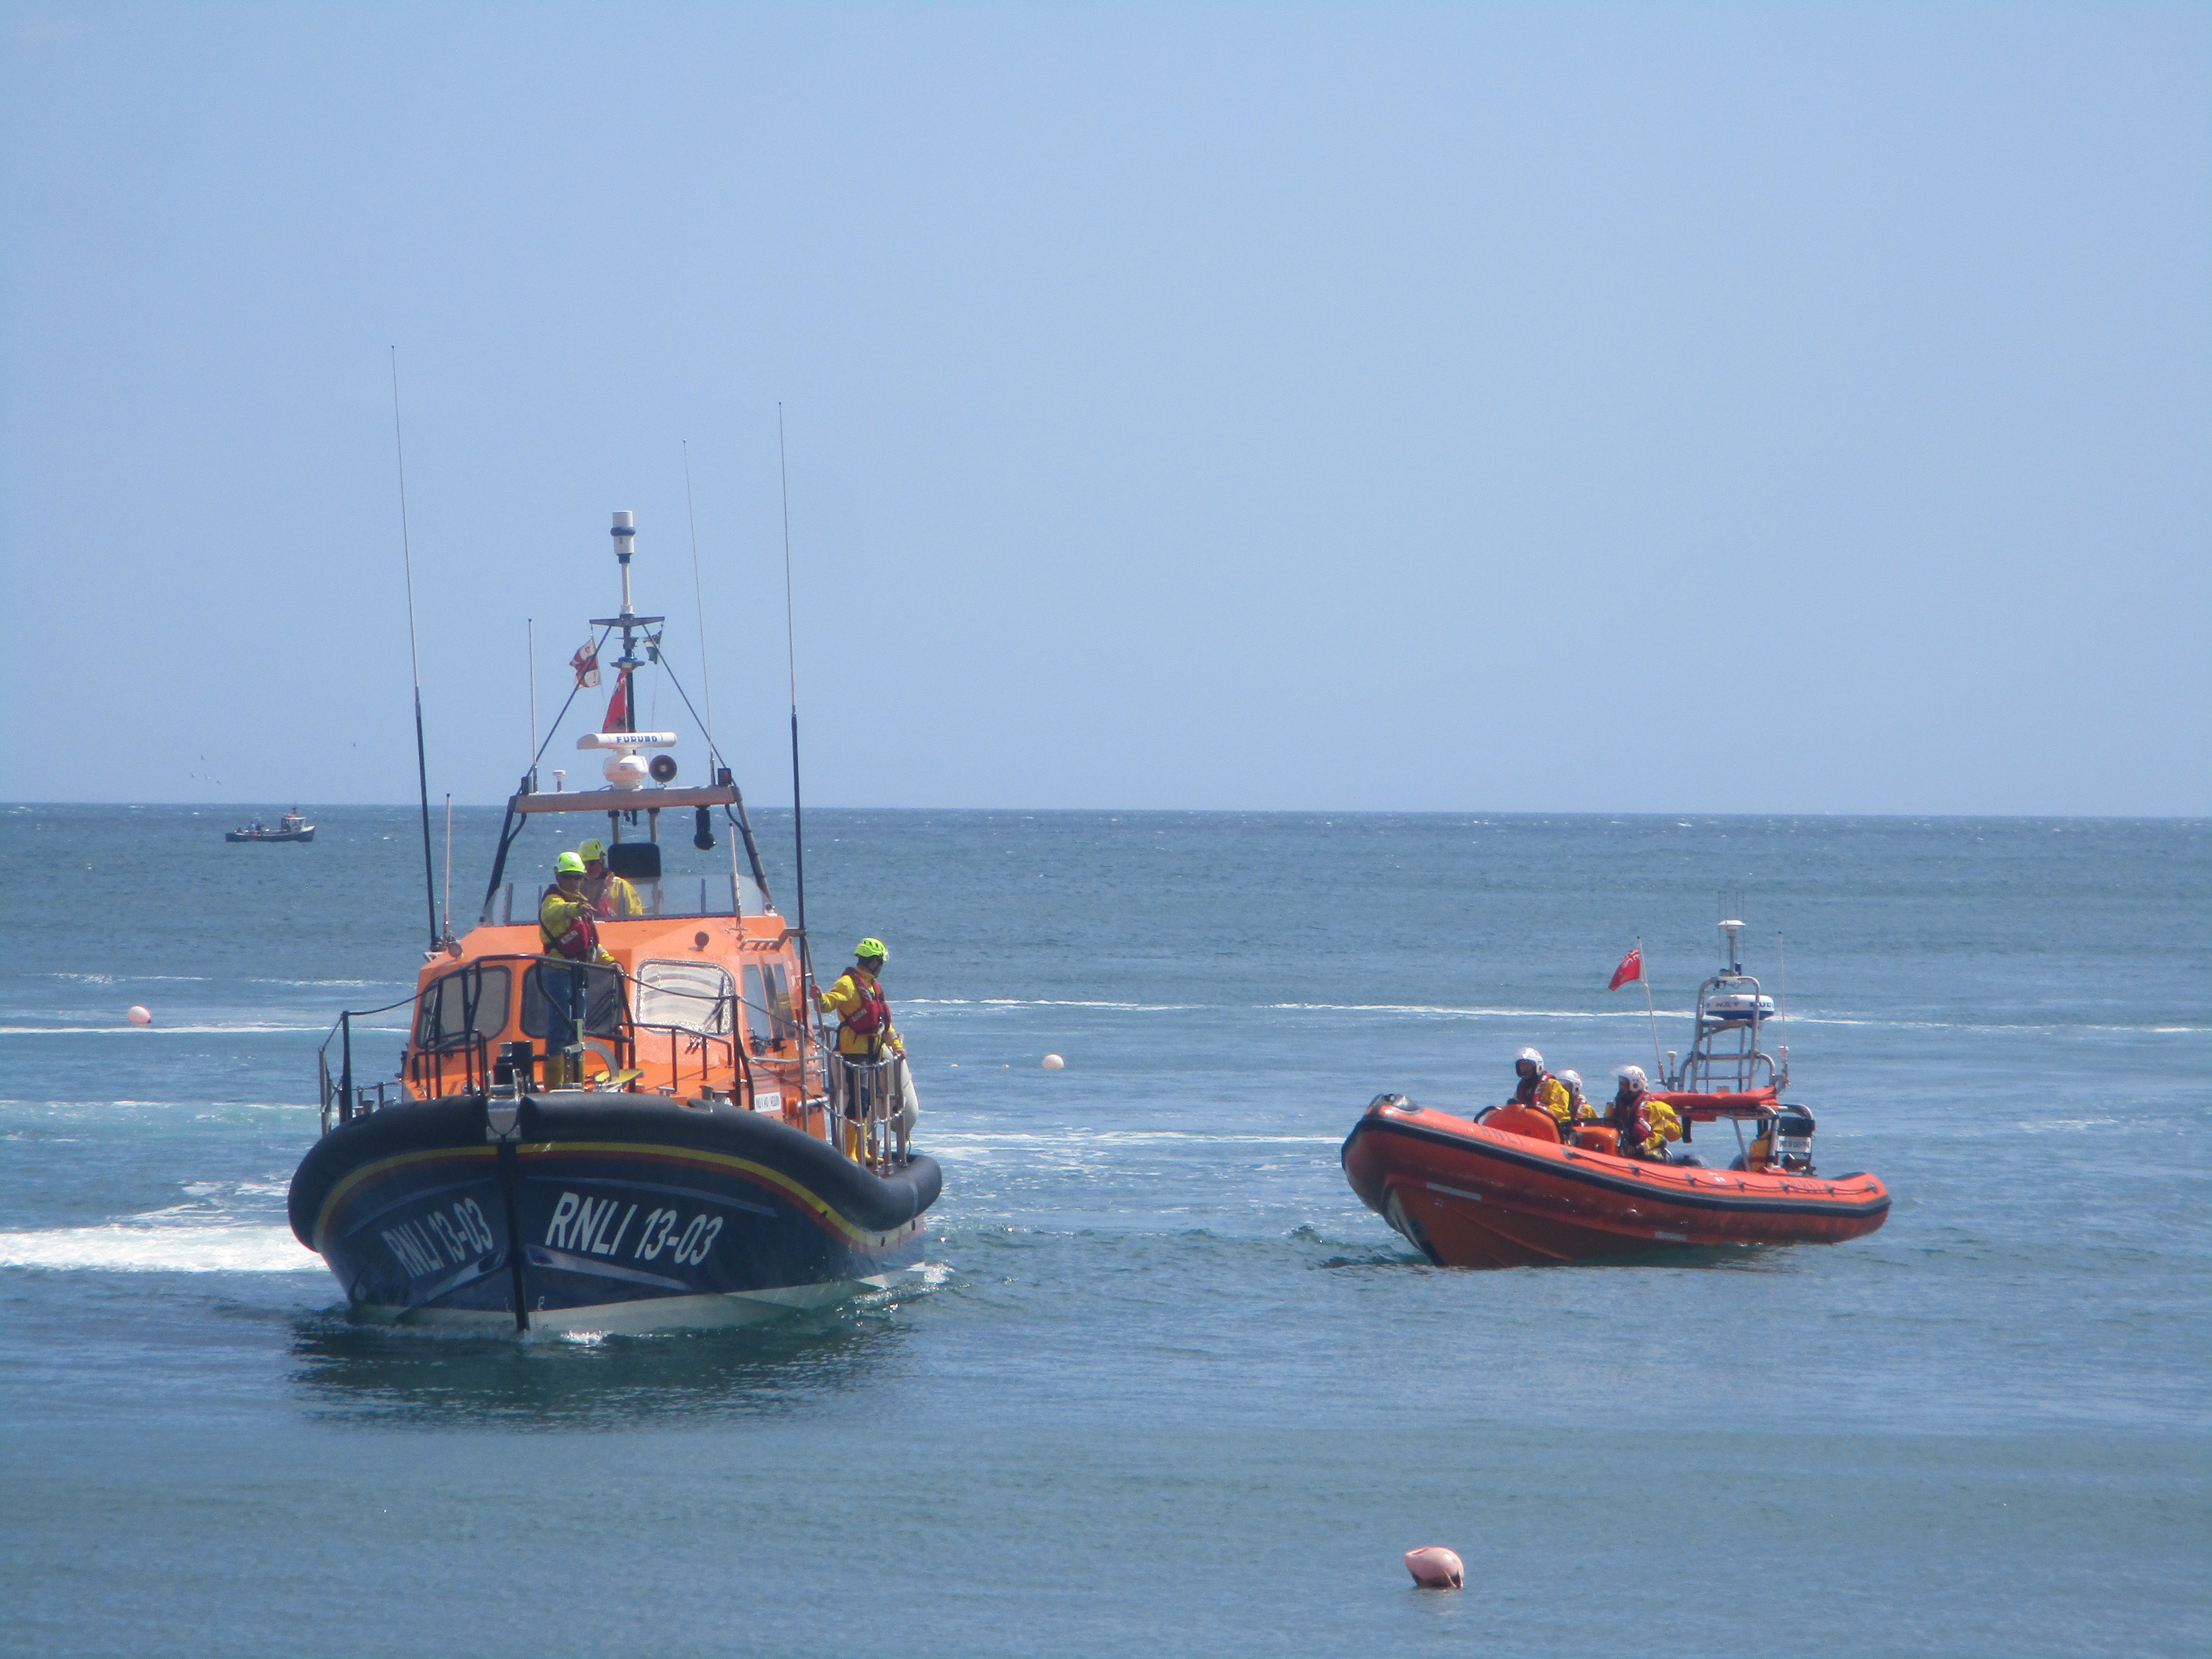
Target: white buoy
[1435, 1567]
[1054, 1063]
[139, 1016]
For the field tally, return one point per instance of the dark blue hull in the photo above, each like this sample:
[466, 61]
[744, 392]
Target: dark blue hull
[599, 1212]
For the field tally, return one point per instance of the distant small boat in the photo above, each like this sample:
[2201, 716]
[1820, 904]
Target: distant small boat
[291, 827]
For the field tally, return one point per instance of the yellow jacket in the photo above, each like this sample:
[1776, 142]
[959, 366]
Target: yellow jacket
[1666, 1126]
[1551, 1095]
[557, 917]
[612, 897]
[845, 999]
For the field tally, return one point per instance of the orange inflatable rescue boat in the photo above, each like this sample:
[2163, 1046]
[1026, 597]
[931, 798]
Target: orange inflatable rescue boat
[1504, 1189]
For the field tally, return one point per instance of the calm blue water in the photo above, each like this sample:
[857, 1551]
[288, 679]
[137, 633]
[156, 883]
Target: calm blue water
[1176, 1391]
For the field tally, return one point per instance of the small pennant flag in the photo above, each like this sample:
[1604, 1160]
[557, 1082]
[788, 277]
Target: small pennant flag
[586, 662]
[1631, 967]
[617, 709]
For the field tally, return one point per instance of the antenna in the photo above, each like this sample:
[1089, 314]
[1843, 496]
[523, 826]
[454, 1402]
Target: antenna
[531, 623]
[791, 656]
[449, 866]
[1643, 974]
[699, 597]
[414, 659]
[704, 835]
[1782, 1006]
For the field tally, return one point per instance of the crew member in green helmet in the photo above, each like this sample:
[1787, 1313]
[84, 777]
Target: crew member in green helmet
[565, 927]
[565, 931]
[864, 1036]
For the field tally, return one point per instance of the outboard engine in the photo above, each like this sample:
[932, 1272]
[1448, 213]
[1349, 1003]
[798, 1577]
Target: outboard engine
[1793, 1140]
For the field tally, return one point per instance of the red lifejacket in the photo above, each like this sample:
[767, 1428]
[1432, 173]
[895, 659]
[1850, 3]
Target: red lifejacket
[1634, 1124]
[581, 942]
[874, 1013]
[1531, 1087]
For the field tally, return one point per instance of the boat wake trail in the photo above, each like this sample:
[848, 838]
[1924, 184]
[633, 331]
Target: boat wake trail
[236, 1028]
[1464, 1013]
[172, 1248]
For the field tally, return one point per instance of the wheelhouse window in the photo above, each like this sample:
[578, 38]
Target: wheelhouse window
[767, 1005]
[457, 1006]
[516, 903]
[550, 989]
[691, 996]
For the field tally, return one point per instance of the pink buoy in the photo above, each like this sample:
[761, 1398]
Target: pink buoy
[1435, 1567]
[1054, 1063]
[139, 1016]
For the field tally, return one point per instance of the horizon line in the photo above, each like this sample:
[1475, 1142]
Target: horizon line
[1245, 811]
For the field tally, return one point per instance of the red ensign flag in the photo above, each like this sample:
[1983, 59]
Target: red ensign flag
[1631, 967]
[617, 710]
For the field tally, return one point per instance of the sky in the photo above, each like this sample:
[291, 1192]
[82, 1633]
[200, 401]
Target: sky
[1514, 408]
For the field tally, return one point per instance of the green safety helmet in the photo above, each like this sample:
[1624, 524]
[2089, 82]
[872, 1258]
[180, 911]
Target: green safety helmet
[870, 947]
[567, 865]
[594, 848]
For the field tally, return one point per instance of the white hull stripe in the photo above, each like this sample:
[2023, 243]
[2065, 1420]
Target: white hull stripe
[1452, 1191]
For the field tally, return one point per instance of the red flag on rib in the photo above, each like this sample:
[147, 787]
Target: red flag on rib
[1631, 967]
[617, 708]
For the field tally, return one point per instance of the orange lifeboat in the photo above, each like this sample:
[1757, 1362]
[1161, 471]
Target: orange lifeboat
[1490, 1194]
[1501, 1189]
[655, 1137]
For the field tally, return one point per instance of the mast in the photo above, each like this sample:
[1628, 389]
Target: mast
[632, 625]
[627, 793]
[625, 535]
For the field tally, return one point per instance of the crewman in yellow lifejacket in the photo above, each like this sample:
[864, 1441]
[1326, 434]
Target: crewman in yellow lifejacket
[1759, 1157]
[1646, 1123]
[1539, 1088]
[613, 899]
[1579, 1108]
[565, 929]
[864, 1035]
[864, 1018]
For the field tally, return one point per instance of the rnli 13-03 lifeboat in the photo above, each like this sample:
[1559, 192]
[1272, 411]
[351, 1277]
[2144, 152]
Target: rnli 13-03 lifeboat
[1504, 1189]
[653, 1139]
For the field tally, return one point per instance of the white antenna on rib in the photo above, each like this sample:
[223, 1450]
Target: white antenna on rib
[1782, 1002]
[1644, 976]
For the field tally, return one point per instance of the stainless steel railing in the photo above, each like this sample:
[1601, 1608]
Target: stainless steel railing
[867, 1101]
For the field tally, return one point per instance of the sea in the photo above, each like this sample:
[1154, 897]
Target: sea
[1167, 1387]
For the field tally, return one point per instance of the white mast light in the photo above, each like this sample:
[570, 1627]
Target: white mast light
[625, 535]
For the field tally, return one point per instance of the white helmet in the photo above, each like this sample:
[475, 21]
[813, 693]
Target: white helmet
[1529, 1054]
[1631, 1074]
[1572, 1079]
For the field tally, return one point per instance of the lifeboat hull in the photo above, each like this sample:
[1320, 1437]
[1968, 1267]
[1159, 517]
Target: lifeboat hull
[1467, 1196]
[602, 1213]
